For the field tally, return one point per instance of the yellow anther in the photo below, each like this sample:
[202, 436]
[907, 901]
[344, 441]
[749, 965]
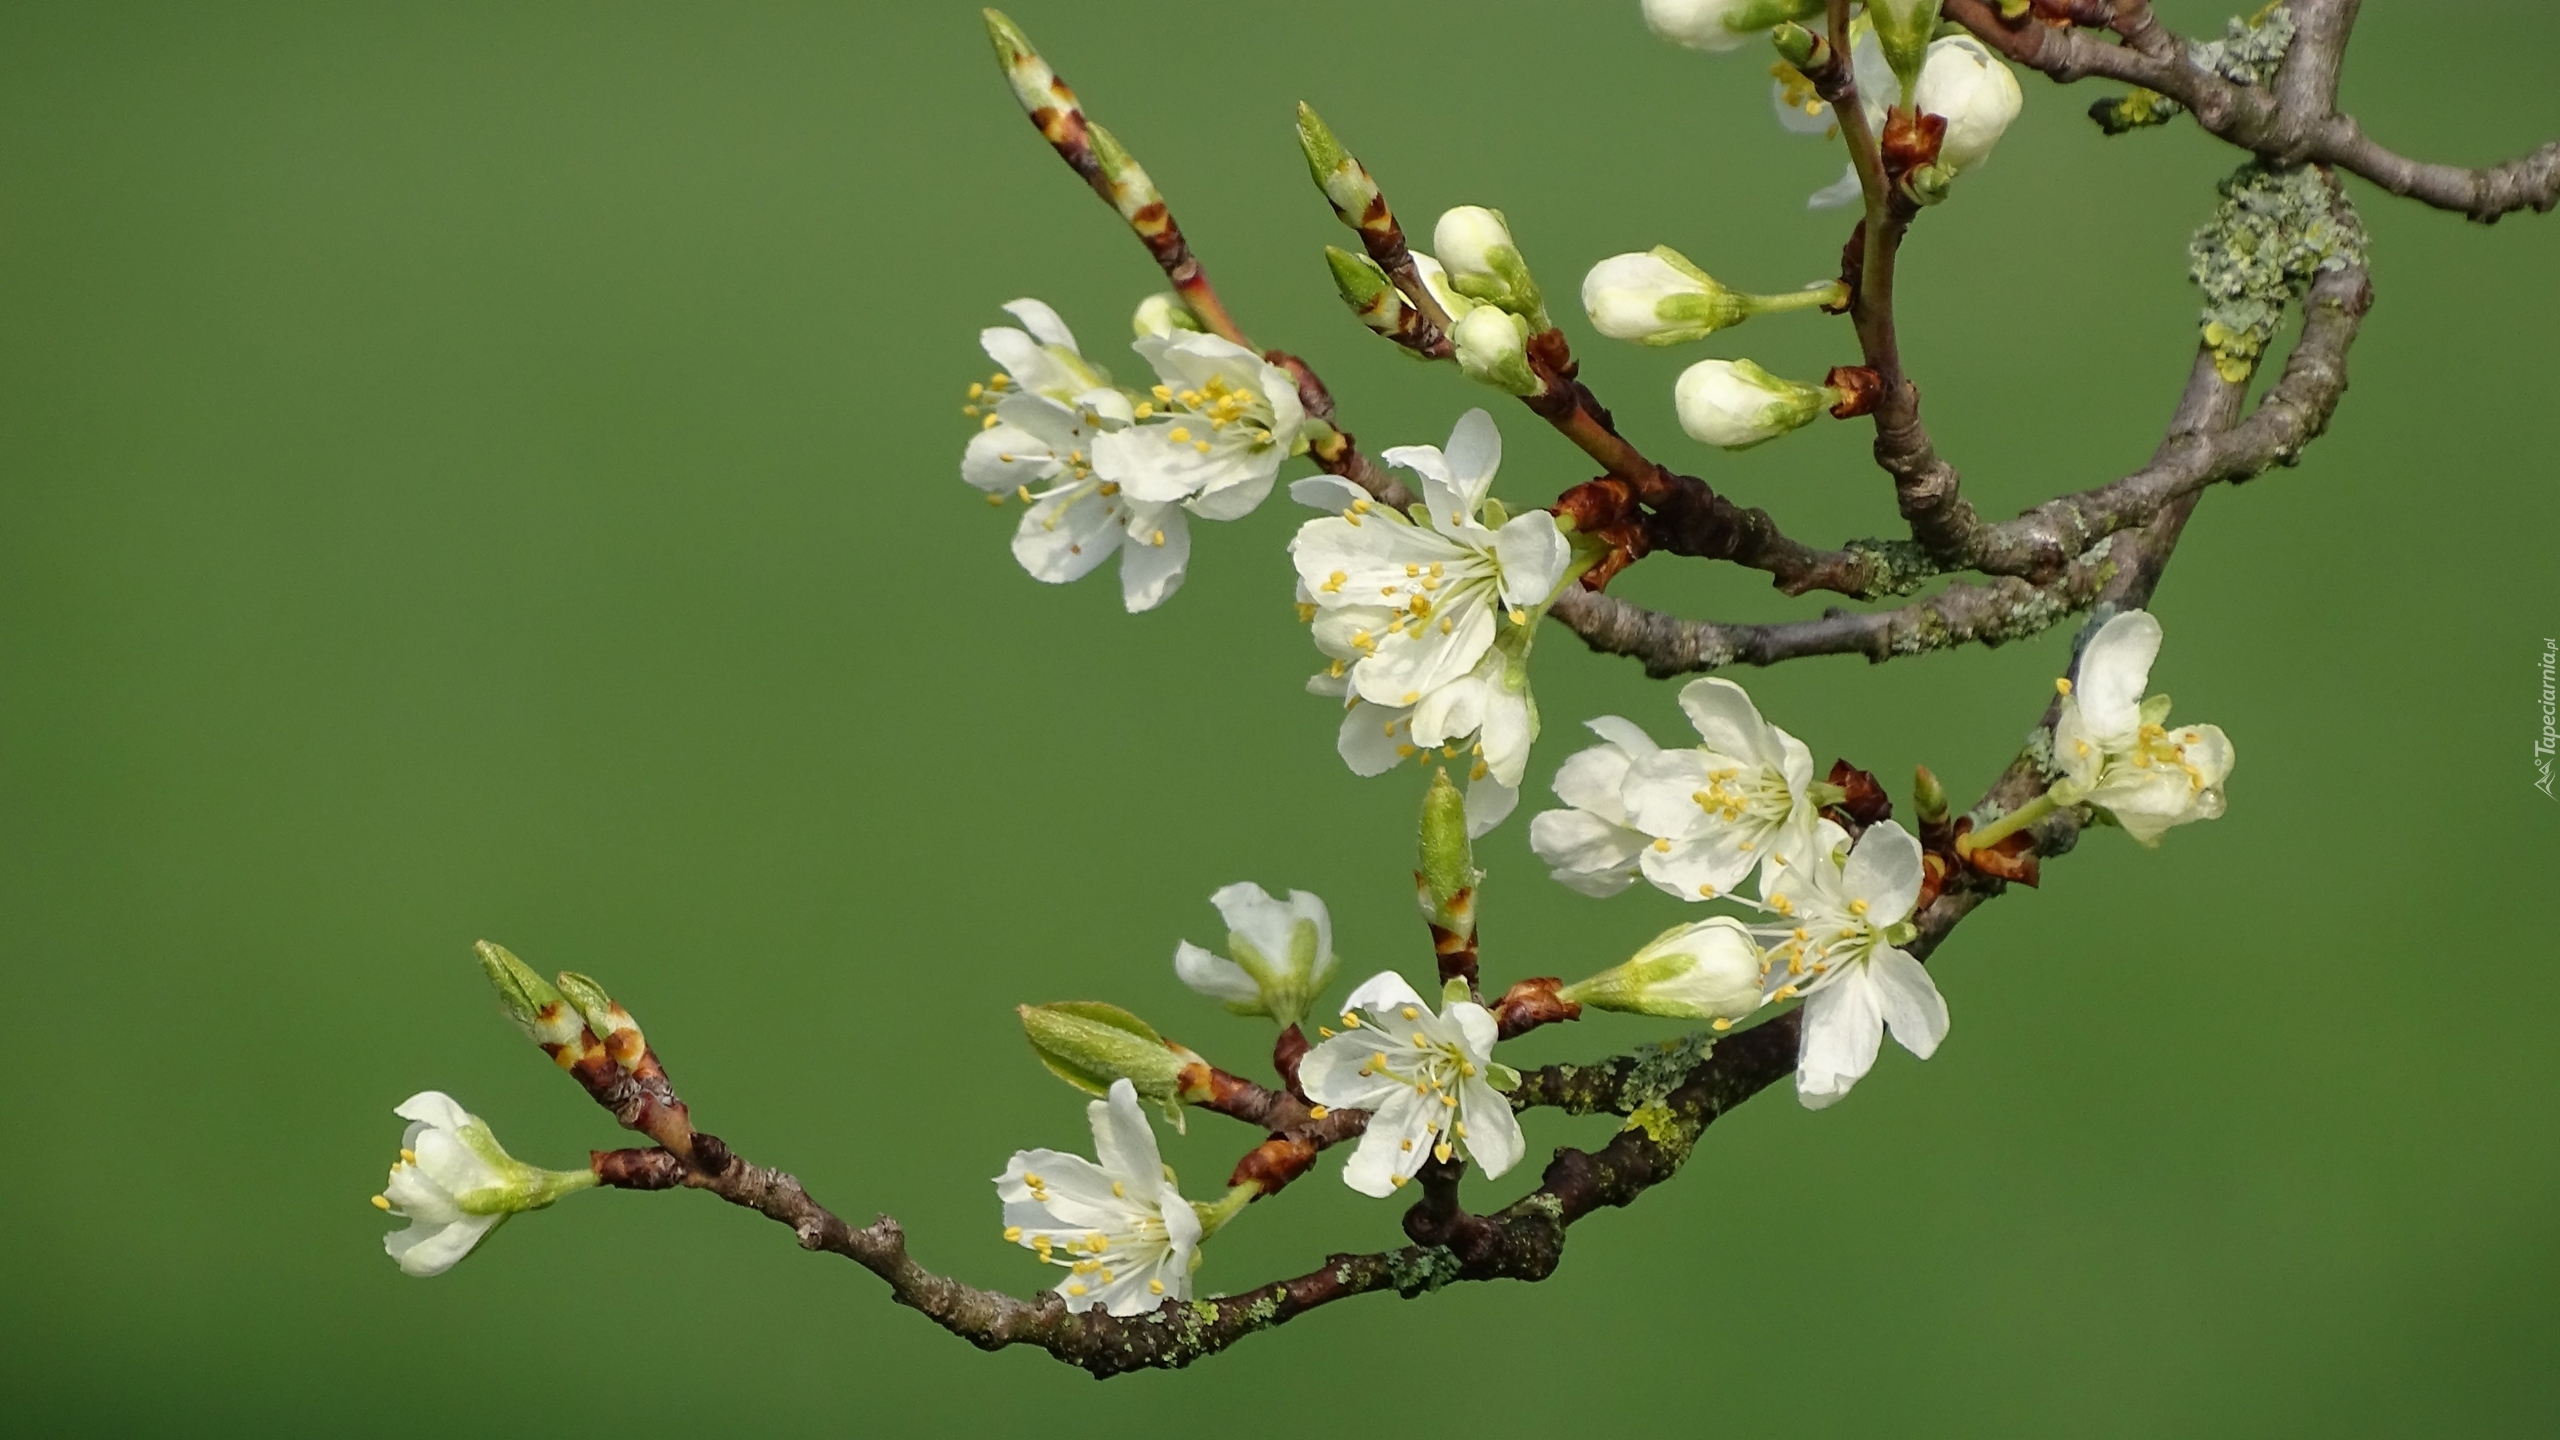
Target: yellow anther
[1406, 752]
[1324, 1032]
[989, 423]
[1519, 616]
[1662, 846]
[1075, 1287]
[1857, 907]
[381, 1202]
[1013, 1234]
[1706, 892]
[1023, 492]
[1178, 435]
[999, 381]
[1318, 1112]
[1118, 1190]
[1362, 506]
[1412, 569]
[1421, 1042]
[1163, 394]
[1411, 696]
[1110, 487]
[1448, 624]
[1461, 1128]
[1157, 539]
[995, 499]
[1449, 1100]
[1467, 1067]
[1333, 583]
[1306, 614]
[976, 390]
[968, 409]
[1723, 1024]
[1440, 1152]
[1200, 445]
[2062, 685]
[1350, 1020]
[1405, 1144]
[1479, 770]
[409, 1155]
[1399, 1182]
[1144, 409]
[1155, 1287]
[1034, 1181]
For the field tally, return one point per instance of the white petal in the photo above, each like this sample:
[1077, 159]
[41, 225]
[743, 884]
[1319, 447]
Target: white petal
[1474, 454]
[1625, 734]
[1509, 727]
[1584, 851]
[1153, 556]
[432, 1250]
[1884, 871]
[1330, 1073]
[1396, 1143]
[1064, 536]
[1329, 493]
[1729, 723]
[1590, 780]
[1489, 803]
[1043, 323]
[1843, 191]
[1215, 976]
[1533, 554]
[1843, 1029]
[1909, 1001]
[1123, 1142]
[1407, 666]
[1384, 991]
[2115, 669]
[1372, 738]
[1423, 460]
[1493, 1138]
[436, 1108]
[1701, 867]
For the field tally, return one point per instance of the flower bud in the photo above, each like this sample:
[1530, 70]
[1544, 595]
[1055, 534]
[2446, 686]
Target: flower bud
[1706, 971]
[1928, 797]
[1657, 298]
[529, 1001]
[621, 1034]
[1474, 243]
[1903, 28]
[1721, 24]
[1435, 278]
[1279, 954]
[1493, 347]
[1346, 183]
[454, 1184]
[1162, 314]
[1089, 1044]
[1448, 874]
[1736, 404]
[1366, 290]
[1974, 90]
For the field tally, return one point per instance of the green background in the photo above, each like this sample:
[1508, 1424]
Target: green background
[490, 470]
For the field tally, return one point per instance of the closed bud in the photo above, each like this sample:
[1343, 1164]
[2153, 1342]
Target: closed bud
[1475, 246]
[1366, 289]
[1493, 347]
[528, 1000]
[1706, 971]
[1658, 298]
[1718, 25]
[1736, 404]
[1799, 47]
[1903, 28]
[1974, 90]
[621, 1034]
[1448, 874]
[1162, 314]
[1089, 1044]
[1928, 797]
[1346, 183]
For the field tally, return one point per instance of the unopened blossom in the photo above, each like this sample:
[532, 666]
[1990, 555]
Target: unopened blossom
[454, 1184]
[1492, 348]
[1279, 954]
[1711, 970]
[1433, 617]
[1591, 845]
[1125, 1235]
[1959, 79]
[2115, 748]
[1657, 297]
[1212, 434]
[1423, 1078]
[1722, 24]
[1833, 938]
[1736, 404]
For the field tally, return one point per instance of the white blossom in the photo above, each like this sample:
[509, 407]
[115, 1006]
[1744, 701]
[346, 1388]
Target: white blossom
[2114, 748]
[1430, 621]
[1279, 954]
[1127, 1238]
[1835, 943]
[1213, 434]
[1423, 1078]
[454, 1184]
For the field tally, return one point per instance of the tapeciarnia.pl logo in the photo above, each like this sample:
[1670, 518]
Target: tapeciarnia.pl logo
[2543, 747]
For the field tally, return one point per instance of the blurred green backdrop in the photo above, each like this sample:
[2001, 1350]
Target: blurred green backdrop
[490, 470]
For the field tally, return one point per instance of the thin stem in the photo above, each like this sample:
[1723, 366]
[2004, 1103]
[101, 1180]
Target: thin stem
[2007, 825]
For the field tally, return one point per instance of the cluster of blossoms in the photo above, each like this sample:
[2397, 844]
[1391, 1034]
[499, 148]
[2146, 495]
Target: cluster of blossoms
[1104, 471]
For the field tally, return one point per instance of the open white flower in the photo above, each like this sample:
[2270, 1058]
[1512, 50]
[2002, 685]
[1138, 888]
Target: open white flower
[1697, 820]
[1835, 944]
[1422, 1077]
[1221, 421]
[454, 1184]
[1279, 954]
[1044, 419]
[1413, 608]
[1127, 1238]
[2115, 749]
[1592, 846]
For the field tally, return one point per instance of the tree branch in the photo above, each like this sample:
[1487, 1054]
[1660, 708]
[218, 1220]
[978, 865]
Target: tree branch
[2292, 122]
